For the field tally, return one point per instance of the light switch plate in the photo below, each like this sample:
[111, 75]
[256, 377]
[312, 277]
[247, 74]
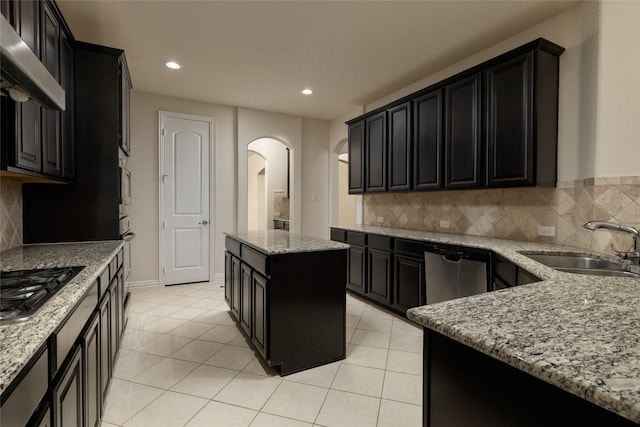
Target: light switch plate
[444, 223]
[380, 219]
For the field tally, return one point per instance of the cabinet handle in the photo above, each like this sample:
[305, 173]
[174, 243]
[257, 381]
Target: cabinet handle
[205, 222]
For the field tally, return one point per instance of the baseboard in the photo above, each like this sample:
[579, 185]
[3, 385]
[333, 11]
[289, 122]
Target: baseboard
[218, 276]
[144, 284]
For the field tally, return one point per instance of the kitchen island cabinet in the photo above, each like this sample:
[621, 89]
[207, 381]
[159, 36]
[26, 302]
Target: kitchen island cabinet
[291, 301]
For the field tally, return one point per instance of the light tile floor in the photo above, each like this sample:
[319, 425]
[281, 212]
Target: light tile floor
[183, 362]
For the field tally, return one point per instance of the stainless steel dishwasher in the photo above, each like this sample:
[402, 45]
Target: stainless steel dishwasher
[453, 272]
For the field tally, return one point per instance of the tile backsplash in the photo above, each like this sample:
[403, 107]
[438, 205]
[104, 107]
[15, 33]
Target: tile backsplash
[10, 214]
[516, 213]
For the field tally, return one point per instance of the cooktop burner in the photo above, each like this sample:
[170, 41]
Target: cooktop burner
[23, 292]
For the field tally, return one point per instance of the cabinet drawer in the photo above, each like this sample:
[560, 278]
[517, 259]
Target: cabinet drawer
[255, 259]
[232, 246]
[382, 243]
[355, 238]
[69, 332]
[23, 401]
[410, 247]
[338, 235]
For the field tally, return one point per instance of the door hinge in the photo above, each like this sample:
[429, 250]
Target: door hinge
[164, 271]
[164, 224]
[163, 132]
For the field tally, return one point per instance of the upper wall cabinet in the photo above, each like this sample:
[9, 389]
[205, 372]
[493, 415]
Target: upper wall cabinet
[37, 141]
[493, 125]
[356, 157]
[125, 107]
[376, 152]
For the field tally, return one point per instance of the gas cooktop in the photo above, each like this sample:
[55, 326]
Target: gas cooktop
[24, 292]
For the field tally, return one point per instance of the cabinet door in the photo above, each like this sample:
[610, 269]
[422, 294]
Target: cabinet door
[510, 122]
[67, 393]
[400, 147]
[408, 282]
[67, 137]
[228, 283]
[245, 295]
[376, 153]
[43, 419]
[357, 269]
[91, 360]
[356, 157]
[51, 156]
[379, 275]
[115, 324]
[125, 108]
[105, 347]
[463, 142]
[427, 141]
[235, 277]
[260, 307]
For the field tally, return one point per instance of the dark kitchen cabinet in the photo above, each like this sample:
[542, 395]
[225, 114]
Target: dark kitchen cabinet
[104, 310]
[67, 393]
[357, 267]
[228, 283]
[51, 154]
[463, 133]
[33, 137]
[489, 392]
[89, 208]
[235, 281]
[506, 274]
[408, 275]
[522, 105]
[356, 157]
[379, 268]
[400, 147]
[115, 324]
[245, 298]
[428, 141]
[493, 125]
[259, 292]
[376, 153]
[91, 361]
[67, 133]
[125, 107]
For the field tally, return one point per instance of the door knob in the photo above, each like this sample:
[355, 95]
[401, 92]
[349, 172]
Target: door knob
[205, 222]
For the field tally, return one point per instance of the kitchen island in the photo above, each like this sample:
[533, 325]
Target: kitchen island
[287, 293]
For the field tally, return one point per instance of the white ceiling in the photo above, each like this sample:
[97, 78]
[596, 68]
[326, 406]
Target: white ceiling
[261, 54]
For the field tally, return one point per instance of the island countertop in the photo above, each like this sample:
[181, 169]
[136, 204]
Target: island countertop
[20, 341]
[274, 242]
[578, 332]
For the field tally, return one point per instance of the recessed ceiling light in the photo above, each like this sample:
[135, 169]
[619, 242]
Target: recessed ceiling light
[173, 65]
[307, 91]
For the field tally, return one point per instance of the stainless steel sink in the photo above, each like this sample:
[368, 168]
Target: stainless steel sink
[583, 265]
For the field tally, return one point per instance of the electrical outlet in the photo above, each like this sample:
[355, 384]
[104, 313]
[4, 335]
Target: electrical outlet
[549, 231]
[276, 214]
[444, 223]
[380, 219]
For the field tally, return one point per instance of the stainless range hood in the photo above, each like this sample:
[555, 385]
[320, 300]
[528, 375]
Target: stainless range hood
[22, 71]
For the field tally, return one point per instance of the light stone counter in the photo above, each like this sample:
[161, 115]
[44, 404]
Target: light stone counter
[580, 333]
[274, 242]
[20, 341]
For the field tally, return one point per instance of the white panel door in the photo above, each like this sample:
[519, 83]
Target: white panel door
[185, 185]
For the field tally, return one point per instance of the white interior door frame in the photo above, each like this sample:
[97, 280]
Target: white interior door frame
[162, 115]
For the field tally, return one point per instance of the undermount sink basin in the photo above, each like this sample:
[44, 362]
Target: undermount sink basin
[581, 264]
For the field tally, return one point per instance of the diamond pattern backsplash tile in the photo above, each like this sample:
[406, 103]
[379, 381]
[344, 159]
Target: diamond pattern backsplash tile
[10, 214]
[516, 213]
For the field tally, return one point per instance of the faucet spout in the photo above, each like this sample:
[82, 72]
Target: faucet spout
[633, 232]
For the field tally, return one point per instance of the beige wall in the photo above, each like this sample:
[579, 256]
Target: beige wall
[145, 175]
[315, 178]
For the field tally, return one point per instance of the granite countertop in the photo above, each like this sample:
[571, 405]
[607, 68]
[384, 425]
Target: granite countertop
[274, 242]
[578, 332]
[20, 341]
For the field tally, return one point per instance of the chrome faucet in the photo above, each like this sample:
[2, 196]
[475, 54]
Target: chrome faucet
[634, 254]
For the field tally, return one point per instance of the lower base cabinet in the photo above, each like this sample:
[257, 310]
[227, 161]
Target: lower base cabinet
[408, 282]
[91, 360]
[466, 388]
[259, 293]
[105, 346]
[67, 393]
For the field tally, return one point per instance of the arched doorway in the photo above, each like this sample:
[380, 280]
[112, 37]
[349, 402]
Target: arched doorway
[345, 208]
[268, 183]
